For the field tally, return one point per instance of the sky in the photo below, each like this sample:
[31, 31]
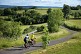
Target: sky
[58, 3]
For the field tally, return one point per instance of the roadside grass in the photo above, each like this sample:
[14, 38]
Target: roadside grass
[10, 42]
[73, 24]
[52, 36]
[73, 46]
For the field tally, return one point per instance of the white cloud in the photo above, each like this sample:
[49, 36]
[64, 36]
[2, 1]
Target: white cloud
[40, 2]
[47, 0]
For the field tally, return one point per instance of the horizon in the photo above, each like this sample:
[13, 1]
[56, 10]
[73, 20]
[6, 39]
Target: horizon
[52, 3]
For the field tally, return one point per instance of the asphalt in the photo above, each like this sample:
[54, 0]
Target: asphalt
[22, 50]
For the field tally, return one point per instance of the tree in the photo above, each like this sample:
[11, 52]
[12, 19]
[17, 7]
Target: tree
[17, 8]
[34, 7]
[45, 38]
[49, 10]
[66, 10]
[8, 11]
[78, 7]
[55, 18]
[10, 29]
[76, 15]
[1, 12]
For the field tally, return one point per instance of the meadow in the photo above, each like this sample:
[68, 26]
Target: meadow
[73, 24]
[73, 46]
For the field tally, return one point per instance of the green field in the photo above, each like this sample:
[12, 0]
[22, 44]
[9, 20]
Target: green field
[72, 46]
[20, 11]
[73, 23]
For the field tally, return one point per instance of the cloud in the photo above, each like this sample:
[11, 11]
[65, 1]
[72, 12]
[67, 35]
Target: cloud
[47, 0]
[40, 2]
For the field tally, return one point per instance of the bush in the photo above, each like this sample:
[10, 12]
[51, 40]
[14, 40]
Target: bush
[30, 29]
[45, 38]
[1, 34]
[10, 29]
[39, 29]
[33, 27]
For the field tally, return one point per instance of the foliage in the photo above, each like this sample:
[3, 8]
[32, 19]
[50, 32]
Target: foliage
[45, 17]
[30, 17]
[39, 29]
[55, 20]
[1, 12]
[34, 7]
[66, 10]
[45, 38]
[73, 24]
[17, 8]
[49, 10]
[30, 29]
[10, 29]
[1, 34]
[78, 7]
[27, 17]
[8, 11]
[76, 15]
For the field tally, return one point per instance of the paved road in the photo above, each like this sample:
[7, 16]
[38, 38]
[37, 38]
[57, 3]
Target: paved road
[22, 50]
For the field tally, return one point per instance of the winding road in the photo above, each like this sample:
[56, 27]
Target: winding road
[22, 50]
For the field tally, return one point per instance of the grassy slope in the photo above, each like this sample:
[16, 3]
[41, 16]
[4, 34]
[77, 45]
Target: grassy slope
[73, 23]
[72, 46]
[7, 42]
[53, 36]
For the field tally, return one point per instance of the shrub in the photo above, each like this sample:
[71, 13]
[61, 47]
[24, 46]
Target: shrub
[45, 39]
[30, 29]
[39, 29]
[1, 34]
[10, 29]
[33, 27]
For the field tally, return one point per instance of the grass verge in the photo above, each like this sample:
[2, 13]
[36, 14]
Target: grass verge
[72, 46]
[73, 24]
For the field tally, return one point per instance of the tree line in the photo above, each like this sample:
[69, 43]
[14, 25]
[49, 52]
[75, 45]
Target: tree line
[71, 10]
[27, 17]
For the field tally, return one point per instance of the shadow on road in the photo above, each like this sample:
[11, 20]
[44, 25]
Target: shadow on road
[20, 48]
